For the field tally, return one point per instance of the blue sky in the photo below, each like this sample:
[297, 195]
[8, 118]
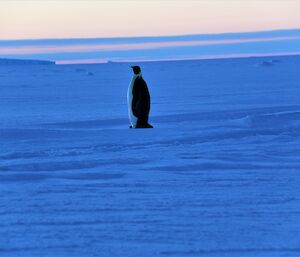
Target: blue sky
[77, 31]
[98, 50]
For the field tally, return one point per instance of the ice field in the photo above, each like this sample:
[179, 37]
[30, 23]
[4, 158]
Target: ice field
[217, 176]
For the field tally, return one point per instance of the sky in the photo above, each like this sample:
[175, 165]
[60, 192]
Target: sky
[39, 19]
[89, 31]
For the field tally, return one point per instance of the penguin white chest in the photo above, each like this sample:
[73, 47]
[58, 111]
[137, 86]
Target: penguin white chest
[133, 119]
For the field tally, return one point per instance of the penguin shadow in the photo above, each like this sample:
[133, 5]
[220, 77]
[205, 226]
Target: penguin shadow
[158, 121]
[121, 123]
[90, 124]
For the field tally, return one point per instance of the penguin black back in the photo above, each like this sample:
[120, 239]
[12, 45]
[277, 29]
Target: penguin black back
[139, 100]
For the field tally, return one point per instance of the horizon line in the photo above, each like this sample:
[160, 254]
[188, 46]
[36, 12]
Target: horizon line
[199, 58]
[153, 36]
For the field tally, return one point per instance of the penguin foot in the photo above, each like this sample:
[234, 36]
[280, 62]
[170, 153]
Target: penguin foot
[148, 126]
[145, 126]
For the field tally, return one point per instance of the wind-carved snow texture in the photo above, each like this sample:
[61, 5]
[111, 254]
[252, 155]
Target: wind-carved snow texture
[218, 176]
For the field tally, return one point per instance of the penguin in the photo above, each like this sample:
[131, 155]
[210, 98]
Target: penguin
[138, 99]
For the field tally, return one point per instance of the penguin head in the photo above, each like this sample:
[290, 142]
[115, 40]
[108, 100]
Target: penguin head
[136, 70]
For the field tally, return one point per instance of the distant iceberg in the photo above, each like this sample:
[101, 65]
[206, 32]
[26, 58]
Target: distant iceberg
[22, 62]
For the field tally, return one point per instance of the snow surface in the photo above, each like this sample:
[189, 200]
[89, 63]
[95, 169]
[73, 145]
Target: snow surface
[218, 176]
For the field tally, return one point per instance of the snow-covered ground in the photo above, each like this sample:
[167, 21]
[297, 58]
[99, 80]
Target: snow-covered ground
[218, 176]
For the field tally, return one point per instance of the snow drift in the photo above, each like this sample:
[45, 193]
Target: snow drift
[218, 176]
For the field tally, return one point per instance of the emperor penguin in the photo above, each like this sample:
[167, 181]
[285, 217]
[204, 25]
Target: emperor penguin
[138, 99]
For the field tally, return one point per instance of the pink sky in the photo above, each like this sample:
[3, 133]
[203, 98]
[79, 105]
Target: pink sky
[32, 19]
